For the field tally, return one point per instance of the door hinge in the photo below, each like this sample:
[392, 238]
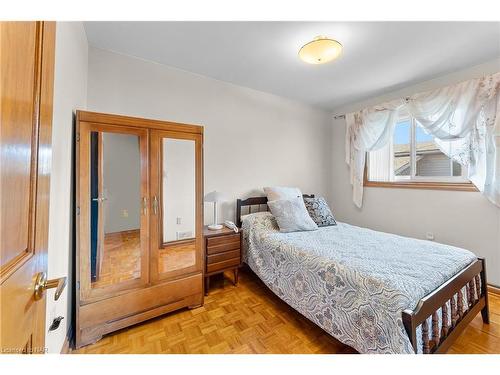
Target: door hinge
[78, 210]
[78, 137]
[78, 285]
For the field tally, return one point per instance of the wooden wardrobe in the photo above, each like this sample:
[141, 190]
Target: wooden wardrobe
[139, 218]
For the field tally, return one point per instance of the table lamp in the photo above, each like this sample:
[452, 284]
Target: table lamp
[215, 197]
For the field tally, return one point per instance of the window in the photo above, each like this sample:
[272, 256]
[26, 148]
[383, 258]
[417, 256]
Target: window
[413, 159]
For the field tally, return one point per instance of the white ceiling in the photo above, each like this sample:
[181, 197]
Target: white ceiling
[378, 57]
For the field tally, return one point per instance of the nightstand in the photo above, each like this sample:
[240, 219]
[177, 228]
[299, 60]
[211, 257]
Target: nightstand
[222, 253]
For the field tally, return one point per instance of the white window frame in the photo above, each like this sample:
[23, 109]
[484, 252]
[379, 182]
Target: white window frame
[413, 162]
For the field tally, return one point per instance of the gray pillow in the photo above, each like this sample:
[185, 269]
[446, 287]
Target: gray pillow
[291, 215]
[319, 211]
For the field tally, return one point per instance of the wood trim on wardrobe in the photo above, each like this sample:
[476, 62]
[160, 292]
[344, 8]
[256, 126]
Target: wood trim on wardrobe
[105, 118]
[93, 295]
[157, 242]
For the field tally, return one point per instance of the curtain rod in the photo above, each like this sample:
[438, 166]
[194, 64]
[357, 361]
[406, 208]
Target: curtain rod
[339, 117]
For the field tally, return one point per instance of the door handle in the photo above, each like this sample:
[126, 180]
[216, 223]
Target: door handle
[155, 205]
[144, 205]
[41, 284]
[100, 199]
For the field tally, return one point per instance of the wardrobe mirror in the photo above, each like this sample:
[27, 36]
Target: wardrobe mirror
[115, 208]
[178, 204]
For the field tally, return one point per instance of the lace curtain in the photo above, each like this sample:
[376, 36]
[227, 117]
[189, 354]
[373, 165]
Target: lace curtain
[464, 118]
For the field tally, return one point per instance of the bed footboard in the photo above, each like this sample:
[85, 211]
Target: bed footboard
[452, 306]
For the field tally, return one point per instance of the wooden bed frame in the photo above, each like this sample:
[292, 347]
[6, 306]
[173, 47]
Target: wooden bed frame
[472, 279]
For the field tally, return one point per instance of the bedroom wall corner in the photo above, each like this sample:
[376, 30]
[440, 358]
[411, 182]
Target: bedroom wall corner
[70, 94]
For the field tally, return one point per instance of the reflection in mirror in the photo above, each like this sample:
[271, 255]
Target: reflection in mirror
[178, 205]
[115, 181]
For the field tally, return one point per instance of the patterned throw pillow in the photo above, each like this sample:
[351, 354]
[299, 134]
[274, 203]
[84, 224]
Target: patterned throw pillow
[319, 211]
[291, 215]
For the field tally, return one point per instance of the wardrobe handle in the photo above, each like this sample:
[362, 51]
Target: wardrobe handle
[155, 205]
[144, 205]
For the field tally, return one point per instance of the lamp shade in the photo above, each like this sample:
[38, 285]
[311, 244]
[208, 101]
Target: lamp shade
[215, 196]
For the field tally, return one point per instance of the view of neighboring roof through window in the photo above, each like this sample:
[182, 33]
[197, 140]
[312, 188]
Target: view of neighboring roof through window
[413, 155]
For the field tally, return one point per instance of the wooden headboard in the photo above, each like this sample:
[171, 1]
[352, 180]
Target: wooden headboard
[252, 202]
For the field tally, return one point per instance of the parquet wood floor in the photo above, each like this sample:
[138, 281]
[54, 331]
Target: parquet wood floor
[121, 258]
[249, 318]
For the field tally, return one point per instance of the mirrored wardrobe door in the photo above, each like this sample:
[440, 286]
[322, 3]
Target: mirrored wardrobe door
[114, 218]
[176, 184]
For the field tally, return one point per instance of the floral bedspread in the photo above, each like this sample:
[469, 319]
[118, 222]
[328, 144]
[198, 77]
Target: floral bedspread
[353, 282]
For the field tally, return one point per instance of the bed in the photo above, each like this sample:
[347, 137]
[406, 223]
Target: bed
[374, 291]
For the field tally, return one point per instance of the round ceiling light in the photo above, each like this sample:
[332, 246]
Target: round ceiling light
[320, 51]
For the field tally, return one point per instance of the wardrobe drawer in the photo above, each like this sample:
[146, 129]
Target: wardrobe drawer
[234, 254]
[223, 265]
[220, 240]
[222, 248]
[139, 301]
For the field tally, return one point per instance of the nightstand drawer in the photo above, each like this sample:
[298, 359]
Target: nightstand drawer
[222, 253]
[219, 240]
[222, 248]
[234, 254]
[223, 265]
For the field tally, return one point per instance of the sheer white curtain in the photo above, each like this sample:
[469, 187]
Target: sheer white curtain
[464, 118]
[381, 165]
[367, 130]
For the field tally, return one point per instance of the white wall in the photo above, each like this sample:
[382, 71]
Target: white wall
[252, 139]
[70, 93]
[464, 219]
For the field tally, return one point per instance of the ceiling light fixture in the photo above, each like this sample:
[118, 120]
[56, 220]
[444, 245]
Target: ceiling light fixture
[320, 51]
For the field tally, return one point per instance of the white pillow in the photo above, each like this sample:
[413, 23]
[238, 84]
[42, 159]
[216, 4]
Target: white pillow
[279, 193]
[291, 215]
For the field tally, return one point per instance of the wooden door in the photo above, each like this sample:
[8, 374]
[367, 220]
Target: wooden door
[113, 192]
[27, 77]
[177, 204]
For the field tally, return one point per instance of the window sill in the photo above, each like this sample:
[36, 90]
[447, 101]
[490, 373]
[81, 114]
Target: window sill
[457, 186]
